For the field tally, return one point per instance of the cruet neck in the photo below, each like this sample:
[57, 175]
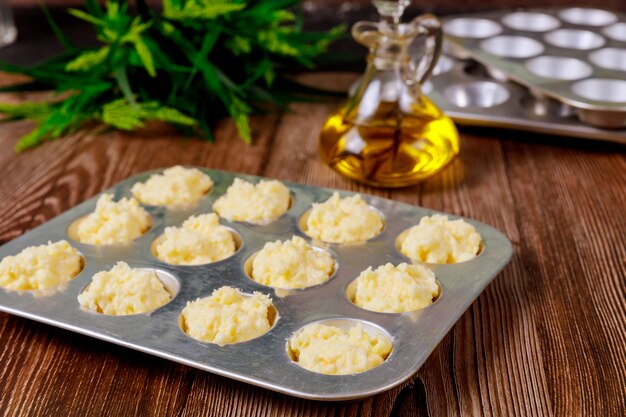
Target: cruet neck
[390, 44]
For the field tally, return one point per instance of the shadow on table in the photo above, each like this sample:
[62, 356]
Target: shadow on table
[591, 145]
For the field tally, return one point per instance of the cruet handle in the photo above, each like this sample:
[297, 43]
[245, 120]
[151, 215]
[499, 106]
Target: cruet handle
[419, 71]
[366, 33]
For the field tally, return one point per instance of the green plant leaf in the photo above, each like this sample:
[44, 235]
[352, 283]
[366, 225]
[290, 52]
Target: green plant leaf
[30, 140]
[28, 109]
[86, 17]
[122, 82]
[239, 111]
[121, 115]
[239, 45]
[146, 56]
[88, 60]
[199, 9]
[58, 33]
[93, 8]
[189, 64]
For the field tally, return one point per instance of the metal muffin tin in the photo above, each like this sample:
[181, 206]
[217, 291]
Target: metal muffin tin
[553, 70]
[263, 361]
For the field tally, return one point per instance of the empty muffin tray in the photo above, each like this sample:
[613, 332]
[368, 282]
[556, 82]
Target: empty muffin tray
[264, 361]
[553, 70]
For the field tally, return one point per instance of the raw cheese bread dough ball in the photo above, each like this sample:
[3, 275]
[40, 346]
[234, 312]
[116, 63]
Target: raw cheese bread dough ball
[200, 240]
[176, 186]
[438, 240]
[343, 220]
[291, 264]
[259, 204]
[40, 267]
[113, 222]
[123, 291]
[395, 289]
[334, 351]
[228, 316]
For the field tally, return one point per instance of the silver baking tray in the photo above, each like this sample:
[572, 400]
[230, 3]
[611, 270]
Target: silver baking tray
[263, 361]
[536, 70]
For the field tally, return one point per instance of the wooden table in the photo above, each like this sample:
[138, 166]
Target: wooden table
[547, 337]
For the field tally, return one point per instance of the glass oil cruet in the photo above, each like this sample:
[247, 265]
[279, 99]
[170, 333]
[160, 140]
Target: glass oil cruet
[388, 133]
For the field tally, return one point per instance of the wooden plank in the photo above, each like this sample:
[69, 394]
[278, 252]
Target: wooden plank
[546, 338]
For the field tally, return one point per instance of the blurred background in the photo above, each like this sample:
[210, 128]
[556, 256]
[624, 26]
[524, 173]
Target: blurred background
[36, 41]
[443, 6]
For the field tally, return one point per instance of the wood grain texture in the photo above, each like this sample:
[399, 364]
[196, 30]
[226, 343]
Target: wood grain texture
[546, 338]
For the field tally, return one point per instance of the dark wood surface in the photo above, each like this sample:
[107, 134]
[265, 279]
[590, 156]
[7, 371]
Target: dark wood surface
[547, 337]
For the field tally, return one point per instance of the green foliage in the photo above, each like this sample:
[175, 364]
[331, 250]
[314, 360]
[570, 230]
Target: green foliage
[120, 114]
[189, 64]
[199, 9]
[88, 59]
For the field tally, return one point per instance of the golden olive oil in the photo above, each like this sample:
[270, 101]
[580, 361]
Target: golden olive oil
[392, 148]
